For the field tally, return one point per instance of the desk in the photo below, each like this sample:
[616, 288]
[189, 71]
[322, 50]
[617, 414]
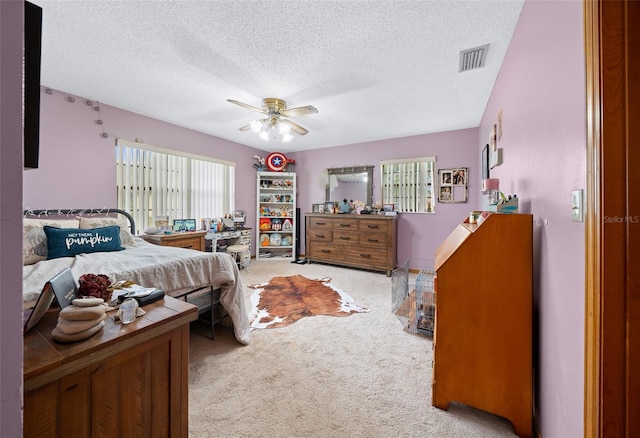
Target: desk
[239, 236]
[126, 380]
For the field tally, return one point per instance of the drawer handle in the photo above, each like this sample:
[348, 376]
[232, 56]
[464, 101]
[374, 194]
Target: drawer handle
[373, 240]
[328, 251]
[320, 223]
[320, 236]
[187, 247]
[345, 225]
[345, 238]
[365, 256]
[373, 226]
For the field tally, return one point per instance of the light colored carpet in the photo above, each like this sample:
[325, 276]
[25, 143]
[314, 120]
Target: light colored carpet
[324, 376]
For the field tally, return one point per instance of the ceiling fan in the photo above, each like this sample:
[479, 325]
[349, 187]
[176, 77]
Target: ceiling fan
[276, 124]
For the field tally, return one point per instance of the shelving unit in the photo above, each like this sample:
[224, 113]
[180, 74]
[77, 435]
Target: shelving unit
[275, 223]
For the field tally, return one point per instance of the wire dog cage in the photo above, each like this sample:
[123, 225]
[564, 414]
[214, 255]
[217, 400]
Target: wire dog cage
[412, 297]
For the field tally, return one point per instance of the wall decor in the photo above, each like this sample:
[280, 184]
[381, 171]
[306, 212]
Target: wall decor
[495, 154]
[485, 162]
[452, 185]
[493, 147]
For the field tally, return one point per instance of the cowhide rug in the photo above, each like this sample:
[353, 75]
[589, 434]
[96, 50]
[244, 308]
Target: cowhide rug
[284, 300]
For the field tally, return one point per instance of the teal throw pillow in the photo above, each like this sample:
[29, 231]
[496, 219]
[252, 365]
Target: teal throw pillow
[68, 242]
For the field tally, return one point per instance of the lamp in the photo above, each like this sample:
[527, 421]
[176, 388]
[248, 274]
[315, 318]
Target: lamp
[491, 186]
[272, 128]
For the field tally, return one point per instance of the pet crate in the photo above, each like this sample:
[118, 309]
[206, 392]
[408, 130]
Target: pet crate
[412, 296]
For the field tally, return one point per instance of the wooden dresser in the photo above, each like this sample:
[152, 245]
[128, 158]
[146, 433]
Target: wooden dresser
[126, 380]
[360, 241]
[186, 239]
[483, 326]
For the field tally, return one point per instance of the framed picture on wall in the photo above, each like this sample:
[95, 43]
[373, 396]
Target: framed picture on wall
[459, 177]
[452, 186]
[444, 194]
[485, 162]
[445, 177]
[495, 154]
[493, 147]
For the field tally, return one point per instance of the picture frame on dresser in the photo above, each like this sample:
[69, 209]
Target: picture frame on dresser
[329, 207]
[34, 315]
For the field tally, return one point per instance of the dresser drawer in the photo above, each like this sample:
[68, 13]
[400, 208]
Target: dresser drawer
[373, 225]
[348, 237]
[190, 240]
[321, 235]
[345, 224]
[326, 251]
[190, 243]
[320, 223]
[367, 256]
[369, 238]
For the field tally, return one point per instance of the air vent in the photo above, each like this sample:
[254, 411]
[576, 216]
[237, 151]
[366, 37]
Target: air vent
[471, 59]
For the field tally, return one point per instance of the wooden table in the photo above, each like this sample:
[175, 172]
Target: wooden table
[182, 239]
[126, 380]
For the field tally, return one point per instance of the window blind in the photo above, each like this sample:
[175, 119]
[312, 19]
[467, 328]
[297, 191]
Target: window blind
[154, 182]
[408, 184]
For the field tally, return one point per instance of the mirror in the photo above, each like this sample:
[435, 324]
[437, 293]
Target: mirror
[351, 183]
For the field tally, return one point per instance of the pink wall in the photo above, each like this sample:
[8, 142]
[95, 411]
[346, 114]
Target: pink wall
[419, 234]
[77, 164]
[541, 91]
[11, 31]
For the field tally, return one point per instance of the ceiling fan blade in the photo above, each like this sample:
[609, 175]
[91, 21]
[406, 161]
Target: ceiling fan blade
[299, 129]
[244, 105]
[299, 111]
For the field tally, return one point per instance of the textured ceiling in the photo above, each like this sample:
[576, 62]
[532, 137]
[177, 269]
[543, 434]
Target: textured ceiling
[375, 69]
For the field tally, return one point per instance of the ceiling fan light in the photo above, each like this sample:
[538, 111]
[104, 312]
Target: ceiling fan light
[286, 138]
[284, 128]
[264, 135]
[256, 126]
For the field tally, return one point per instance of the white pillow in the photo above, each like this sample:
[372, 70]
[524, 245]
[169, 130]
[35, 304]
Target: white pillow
[126, 238]
[34, 240]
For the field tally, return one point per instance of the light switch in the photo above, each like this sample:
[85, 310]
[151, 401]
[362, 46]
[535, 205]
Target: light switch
[576, 205]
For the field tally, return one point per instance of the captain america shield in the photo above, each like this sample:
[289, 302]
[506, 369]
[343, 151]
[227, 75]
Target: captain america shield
[276, 161]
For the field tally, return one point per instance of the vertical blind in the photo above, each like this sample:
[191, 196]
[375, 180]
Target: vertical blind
[408, 184]
[153, 182]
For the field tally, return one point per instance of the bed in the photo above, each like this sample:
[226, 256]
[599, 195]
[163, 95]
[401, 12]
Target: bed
[177, 271]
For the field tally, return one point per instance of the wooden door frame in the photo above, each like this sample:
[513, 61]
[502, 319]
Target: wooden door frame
[612, 234]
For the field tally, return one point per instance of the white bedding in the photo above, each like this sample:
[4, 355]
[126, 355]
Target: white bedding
[174, 270]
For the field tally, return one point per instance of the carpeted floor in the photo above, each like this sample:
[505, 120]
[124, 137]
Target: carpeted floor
[324, 376]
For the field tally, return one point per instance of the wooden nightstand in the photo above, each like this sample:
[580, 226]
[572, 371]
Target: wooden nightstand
[187, 239]
[128, 380]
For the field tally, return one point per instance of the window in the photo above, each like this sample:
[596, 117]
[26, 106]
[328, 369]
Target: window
[408, 184]
[153, 182]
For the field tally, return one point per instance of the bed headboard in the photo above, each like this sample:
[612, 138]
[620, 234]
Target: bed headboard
[85, 212]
